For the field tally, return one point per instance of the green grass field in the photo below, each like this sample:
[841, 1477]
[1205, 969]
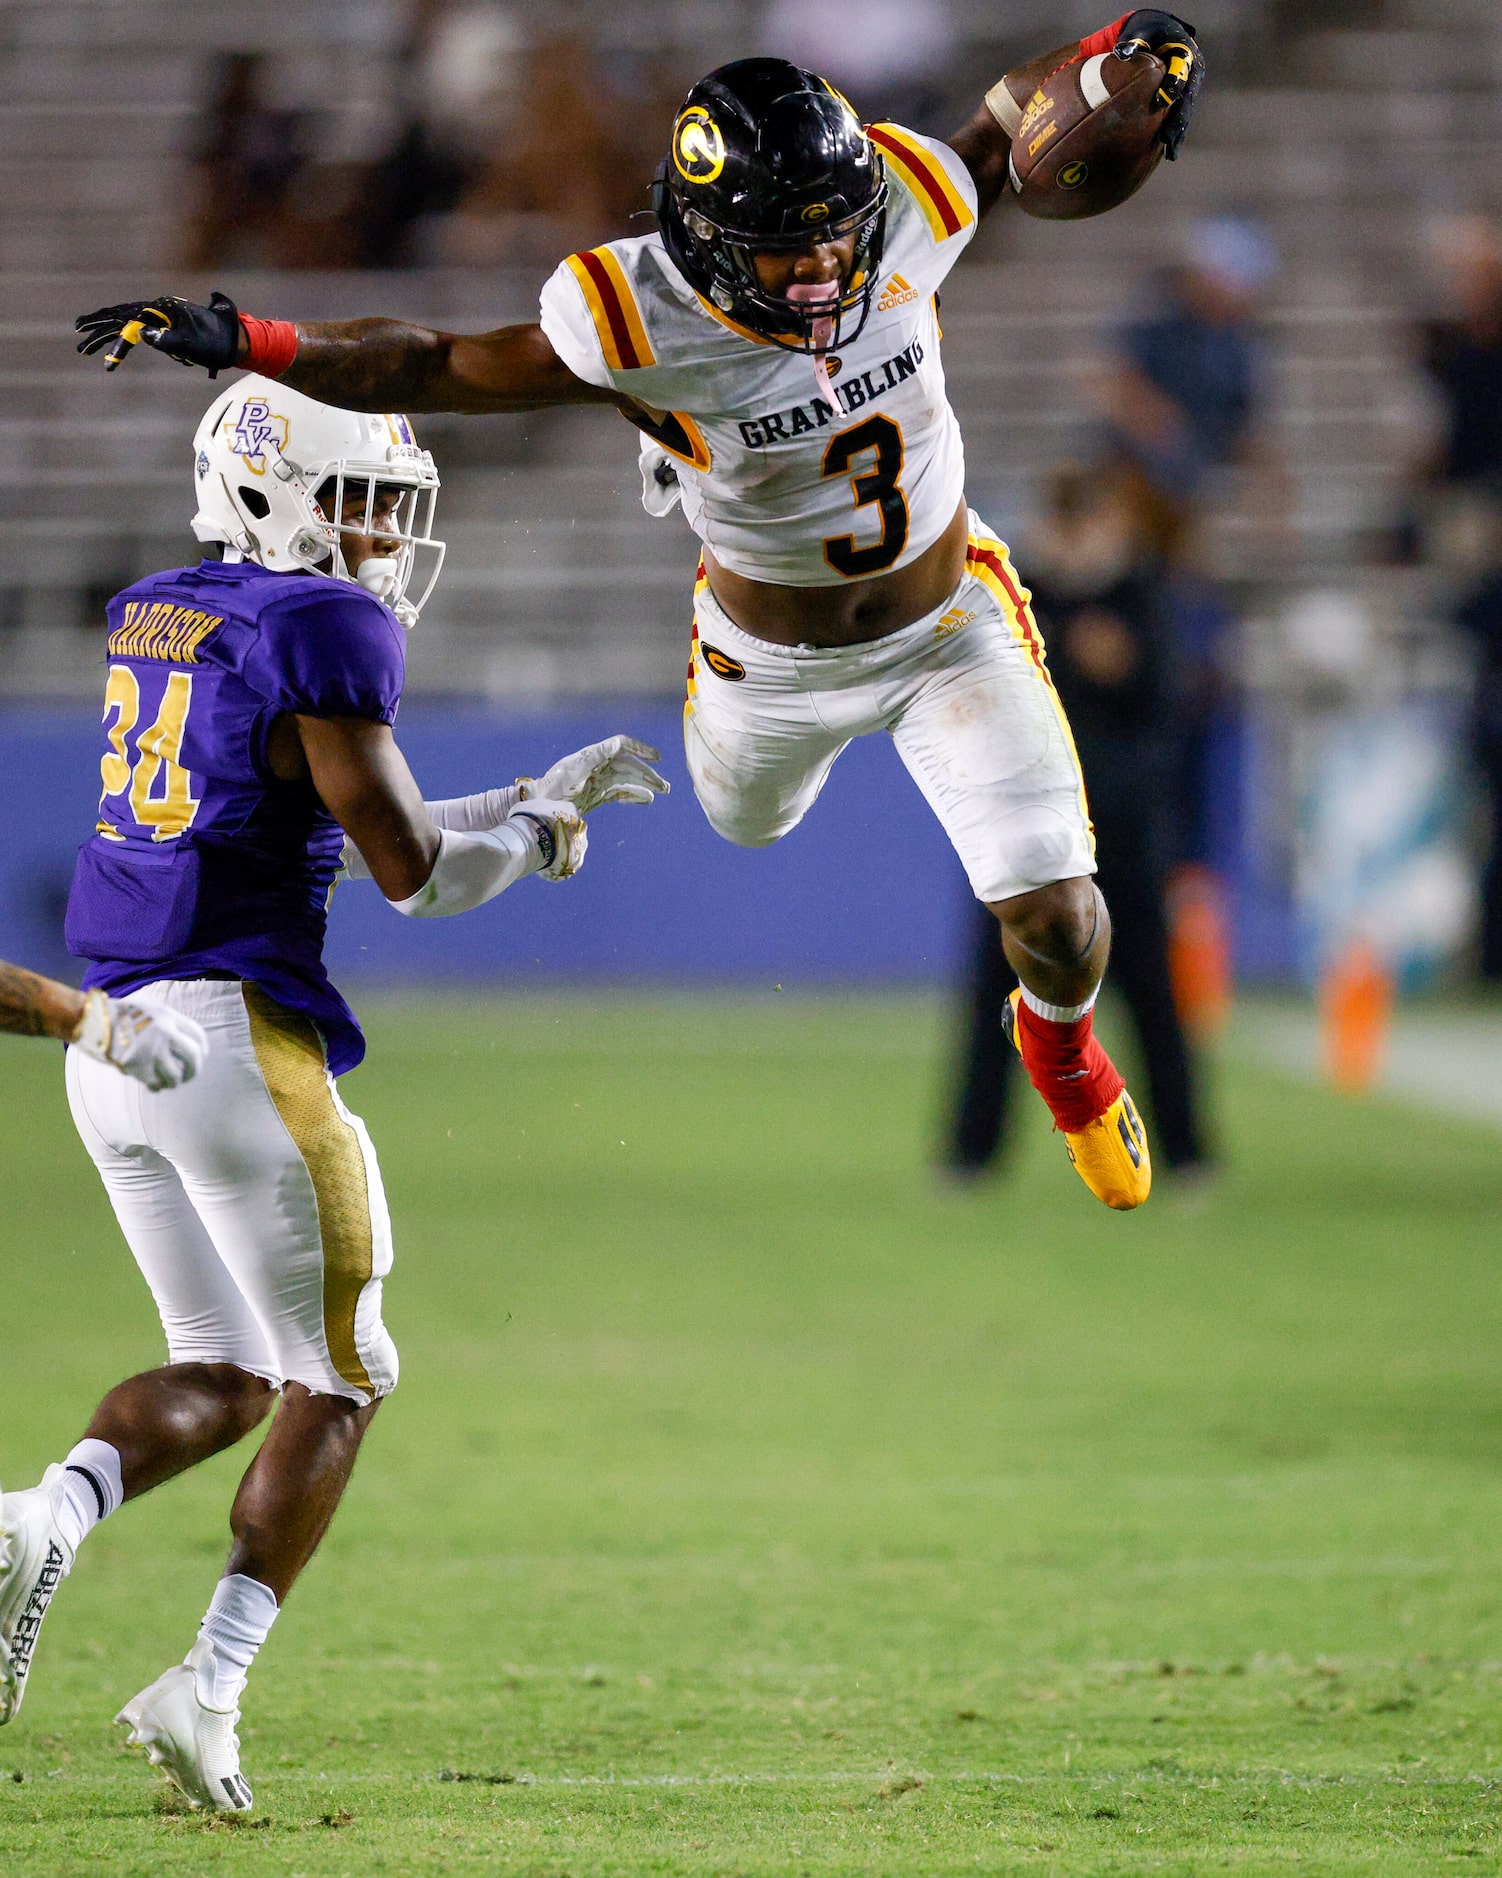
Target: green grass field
[750, 1506]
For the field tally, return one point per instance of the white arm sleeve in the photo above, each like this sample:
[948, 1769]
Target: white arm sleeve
[465, 814]
[472, 868]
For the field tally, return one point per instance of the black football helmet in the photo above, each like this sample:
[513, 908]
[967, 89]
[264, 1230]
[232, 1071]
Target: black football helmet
[766, 156]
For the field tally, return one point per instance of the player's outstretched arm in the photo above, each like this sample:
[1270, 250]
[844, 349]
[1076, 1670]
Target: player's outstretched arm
[139, 1036]
[360, 365]
[34, 1006]
[385, 365]
[984, 144]
[619, 769]
[424, 870]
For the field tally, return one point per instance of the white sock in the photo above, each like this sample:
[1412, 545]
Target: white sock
[237, 1623]
[1060, 1013]
[89, 1490]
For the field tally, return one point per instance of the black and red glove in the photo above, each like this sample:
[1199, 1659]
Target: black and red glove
[193, 335]
[1170, 39]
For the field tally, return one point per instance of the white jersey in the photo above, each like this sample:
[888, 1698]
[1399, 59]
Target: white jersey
[779, 486]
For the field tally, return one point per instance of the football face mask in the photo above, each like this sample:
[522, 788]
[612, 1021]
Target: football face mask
[379, 530]
[295, 485]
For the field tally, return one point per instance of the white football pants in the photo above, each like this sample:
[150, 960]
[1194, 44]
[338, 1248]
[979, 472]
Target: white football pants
[250, 1197]
[965, 695]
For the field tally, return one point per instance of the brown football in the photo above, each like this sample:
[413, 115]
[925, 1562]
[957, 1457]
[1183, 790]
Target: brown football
[1088, 138]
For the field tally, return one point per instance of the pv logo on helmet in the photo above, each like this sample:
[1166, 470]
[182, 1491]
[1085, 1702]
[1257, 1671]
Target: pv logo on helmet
[698, 146]
[258, 425]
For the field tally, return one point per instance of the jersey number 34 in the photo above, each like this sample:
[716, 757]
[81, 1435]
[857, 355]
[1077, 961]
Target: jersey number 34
[160, 789]
[881, 439]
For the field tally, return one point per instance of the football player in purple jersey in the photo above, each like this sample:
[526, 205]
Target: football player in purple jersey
[248, 759]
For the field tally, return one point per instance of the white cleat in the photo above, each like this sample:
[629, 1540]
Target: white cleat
[34, 1560]
[194, 1745]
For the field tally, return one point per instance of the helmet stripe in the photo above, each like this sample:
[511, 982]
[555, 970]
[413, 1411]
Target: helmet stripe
[944, 208]
[613, 308]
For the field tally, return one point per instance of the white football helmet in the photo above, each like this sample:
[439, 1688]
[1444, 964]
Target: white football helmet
[276, 471]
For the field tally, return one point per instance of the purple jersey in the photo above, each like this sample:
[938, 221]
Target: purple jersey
[203, 862]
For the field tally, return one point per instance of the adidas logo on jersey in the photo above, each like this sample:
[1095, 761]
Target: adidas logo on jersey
[897, 292]
[953, 620]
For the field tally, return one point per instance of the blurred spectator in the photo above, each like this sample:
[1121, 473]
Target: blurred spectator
[454, 77]
[1184, 396]
[247, 154]
[568, 166]
[1463, 355]
[889, 56]
[1097, 583]
[1461, 499]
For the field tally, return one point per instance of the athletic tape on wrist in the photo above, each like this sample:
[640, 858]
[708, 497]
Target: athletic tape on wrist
[1004, 107]
[270, 345]
[1104, 40]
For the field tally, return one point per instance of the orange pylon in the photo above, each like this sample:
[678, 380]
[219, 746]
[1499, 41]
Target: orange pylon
[1199, 951]
[1356, 996]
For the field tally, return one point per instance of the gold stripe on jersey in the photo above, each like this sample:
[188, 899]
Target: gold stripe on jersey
[944, 208]
[289, 1051]
[161, 630]
[676, 431]
[989, 561]
[612, 307]
[757, 339]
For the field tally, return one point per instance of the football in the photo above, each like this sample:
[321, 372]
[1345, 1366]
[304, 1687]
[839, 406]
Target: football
[1088, 138]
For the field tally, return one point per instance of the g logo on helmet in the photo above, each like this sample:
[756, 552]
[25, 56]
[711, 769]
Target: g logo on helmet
[698, 146]
[1072, 175]
[815, 212]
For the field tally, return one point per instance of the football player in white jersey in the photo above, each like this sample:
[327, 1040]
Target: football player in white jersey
[776, 342]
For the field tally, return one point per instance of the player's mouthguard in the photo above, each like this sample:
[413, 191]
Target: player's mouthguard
[821, 331]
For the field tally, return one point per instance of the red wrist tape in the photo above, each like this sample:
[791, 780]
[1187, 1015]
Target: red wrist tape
[270, 345]
[1104, 40]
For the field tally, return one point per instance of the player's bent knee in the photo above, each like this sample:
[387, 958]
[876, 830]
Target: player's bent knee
[1059, 922]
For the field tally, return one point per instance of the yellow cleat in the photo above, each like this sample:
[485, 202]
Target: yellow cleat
[1111, 1154]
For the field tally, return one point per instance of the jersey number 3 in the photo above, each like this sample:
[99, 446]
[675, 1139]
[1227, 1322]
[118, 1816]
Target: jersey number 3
[161, 790]
[878, 436]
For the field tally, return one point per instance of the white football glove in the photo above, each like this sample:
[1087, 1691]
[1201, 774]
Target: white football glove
[561, 834]
[617, 770]
[158, 1046]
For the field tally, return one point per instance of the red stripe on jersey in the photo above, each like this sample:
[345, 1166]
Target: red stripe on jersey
[918, 163]
[620, 331]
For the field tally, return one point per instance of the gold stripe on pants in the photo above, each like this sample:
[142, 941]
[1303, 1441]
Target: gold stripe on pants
[290, 1052]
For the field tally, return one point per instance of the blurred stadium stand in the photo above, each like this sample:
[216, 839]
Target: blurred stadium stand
[1343, 126]
[1341, 139]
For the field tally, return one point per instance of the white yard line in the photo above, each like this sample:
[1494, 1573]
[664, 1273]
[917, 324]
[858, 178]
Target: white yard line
[1447, 1059]
[877, 1777]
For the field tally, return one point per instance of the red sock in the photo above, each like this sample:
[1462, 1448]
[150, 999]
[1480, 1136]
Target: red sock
[1067, 1067]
